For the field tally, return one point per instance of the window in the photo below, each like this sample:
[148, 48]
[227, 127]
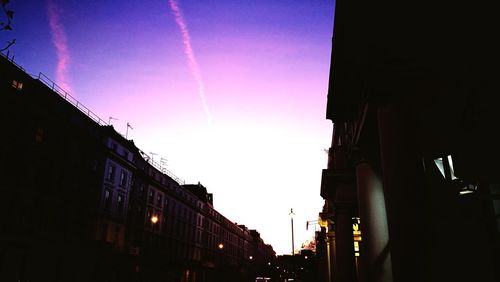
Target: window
[111, 173]
[123, 179]
[159, 199]
[151, 196]
[107, 199]
[120, 203]
[149, 214]
[17, 85]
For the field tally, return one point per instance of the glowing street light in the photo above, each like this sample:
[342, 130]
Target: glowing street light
[154, 219]
[221, 246]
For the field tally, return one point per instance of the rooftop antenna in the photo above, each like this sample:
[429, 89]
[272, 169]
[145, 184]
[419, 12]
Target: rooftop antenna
[163, 164]
[152, 156]
[111, 118]
[126, 134]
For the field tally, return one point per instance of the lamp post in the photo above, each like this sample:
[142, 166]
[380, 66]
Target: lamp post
[154, 220]
[221, 254]
[291, 220]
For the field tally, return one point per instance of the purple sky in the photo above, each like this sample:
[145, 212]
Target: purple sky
[231, 93]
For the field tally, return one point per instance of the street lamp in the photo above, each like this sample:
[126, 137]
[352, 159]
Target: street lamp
[154, 219]
[310, 222]
[291, 219]
[221, 246]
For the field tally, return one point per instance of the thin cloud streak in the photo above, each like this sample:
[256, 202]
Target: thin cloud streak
[60, 43]
[188, 50]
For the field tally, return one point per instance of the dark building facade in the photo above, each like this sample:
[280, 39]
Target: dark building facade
[413, 99]
[80, 202]
[302, 266]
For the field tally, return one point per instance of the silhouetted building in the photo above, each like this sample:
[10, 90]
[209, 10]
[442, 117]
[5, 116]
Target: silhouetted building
[299, 267]
[413, 97]
[80, 202]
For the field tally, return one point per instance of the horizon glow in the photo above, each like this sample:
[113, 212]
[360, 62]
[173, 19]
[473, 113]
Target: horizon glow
[265, 65]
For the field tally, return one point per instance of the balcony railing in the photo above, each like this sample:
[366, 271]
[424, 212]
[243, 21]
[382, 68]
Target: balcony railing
[70, 99]
[161, 168]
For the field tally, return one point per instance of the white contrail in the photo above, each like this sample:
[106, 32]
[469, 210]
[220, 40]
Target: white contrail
[188, 50]
[60, 42]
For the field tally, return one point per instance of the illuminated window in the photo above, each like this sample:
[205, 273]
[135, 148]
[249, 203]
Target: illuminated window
[17, 85]
[439, 165]
[452, 170]
[445, 167]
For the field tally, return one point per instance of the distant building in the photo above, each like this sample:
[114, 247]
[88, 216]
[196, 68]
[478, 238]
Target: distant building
[298, 267]
[80, 202]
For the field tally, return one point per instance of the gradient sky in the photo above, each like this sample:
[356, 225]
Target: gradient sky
[232, 93]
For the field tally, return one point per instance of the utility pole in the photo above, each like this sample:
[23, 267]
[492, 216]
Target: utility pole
[291, 220]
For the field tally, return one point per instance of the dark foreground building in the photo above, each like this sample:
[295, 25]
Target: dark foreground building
[79, 202]
[414, 101]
